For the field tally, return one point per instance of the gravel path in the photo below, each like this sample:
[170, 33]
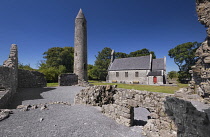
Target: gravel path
[60, 120]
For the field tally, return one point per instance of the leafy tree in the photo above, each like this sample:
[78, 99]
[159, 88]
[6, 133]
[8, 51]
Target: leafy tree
[58, 60]
[184, 57]
[52, 73]
[25, 67]
[95, 73]
[172, 74]
[142, 52]
[57, 56]
[102, 63]
[91, 75]
[121, 55]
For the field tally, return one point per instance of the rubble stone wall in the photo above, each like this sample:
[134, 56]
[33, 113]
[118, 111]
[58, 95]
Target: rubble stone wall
[9, 77]
[67, 79]
[5, 77]
[190, 122]
[201, 70]
[6, 89]
[169, 116]
[96, 95]
[31, 79]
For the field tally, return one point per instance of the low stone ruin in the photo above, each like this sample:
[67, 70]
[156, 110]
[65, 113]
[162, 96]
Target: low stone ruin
[96, 95]
[169, 115]
[67, 79]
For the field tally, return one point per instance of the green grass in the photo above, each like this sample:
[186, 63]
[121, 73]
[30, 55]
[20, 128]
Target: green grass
[152, 88]
[52, 84]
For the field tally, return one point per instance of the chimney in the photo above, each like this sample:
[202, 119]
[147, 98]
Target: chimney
[112, 56]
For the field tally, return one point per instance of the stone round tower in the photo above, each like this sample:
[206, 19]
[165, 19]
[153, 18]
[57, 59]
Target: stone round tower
[80, 47]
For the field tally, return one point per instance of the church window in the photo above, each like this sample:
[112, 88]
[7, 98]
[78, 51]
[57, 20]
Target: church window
[117, 74]
[126, 74]
[136, 74]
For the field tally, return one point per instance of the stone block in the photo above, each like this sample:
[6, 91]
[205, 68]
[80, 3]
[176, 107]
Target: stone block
[67, 79]
[126, 110]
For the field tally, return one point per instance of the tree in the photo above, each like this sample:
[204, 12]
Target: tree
[142, 52]
[102, 63]
[52, 73]
[95, 73]
[25, 67]
[58, 60]
[120, 55]
[184, 57]
[172, 74]
[57, 56]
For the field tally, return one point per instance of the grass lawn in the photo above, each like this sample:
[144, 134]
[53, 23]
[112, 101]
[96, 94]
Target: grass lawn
[52, 84]
[152, 88]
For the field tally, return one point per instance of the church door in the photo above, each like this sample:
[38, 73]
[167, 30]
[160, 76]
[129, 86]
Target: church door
[154, 80]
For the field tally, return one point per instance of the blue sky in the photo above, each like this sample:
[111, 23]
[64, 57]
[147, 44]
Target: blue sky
[123, 25]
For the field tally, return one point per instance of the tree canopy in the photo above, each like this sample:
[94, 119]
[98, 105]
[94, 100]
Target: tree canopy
[57, 56]
[102, 63]
[184, 57]
[172, 74]
[142, 52]
[58, 60]
[25, 67]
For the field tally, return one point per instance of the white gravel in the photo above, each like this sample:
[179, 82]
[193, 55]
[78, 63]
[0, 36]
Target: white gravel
[60, 120]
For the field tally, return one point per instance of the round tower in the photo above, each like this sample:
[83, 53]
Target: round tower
[80, 47]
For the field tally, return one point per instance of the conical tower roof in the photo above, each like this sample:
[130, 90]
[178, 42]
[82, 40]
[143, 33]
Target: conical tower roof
[80, 15]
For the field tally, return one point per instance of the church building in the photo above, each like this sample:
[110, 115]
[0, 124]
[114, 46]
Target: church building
[137, 70]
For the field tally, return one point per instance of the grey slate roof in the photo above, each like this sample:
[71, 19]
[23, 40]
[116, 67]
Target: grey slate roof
[132, 63]
[155, 73]
[158, 64]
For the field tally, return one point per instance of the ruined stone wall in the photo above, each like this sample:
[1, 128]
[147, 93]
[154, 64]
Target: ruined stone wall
[6, 90]
[31, 79]
[67, 79]
[96, 95]
[169, 116]
[190, 122]
[9, 76]
[201, 70]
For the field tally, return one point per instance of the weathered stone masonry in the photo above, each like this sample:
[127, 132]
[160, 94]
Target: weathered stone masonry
[31, 79]
[12, 78]
[9, 76]
[201, 70]
[169, 116]
[67, 79]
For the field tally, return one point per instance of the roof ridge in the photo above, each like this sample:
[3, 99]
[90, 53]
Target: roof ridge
[133, 57]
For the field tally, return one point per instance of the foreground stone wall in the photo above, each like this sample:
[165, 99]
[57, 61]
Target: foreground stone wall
[201, 70]
[67, 79]
[152, 101]
[31, 79]
[190, 122]
[169, 116]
